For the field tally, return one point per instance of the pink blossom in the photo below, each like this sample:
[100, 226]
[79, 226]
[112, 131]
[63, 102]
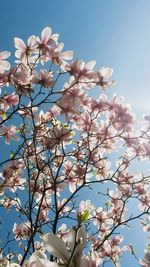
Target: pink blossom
[57, 56]
[24, 51]
[8, 101]
[85, 206]
[140, 188]
[44, 78]
[82, 71]
[46, 40]
[9, 133]
[8, 203]
[11, 176]
[121, 117]
[57, 135]
[102, 78]
[22, 231]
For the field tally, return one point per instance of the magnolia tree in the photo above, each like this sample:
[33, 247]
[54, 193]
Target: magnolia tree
[71, 168]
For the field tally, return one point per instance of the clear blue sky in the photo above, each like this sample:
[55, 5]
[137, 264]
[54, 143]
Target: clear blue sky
[114, 32]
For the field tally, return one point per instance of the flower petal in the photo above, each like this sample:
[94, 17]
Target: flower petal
[46, 33]
[67, 55]
[32, 41]
[106, 72]
[39, 259]
[53, 39]
[82, 238]
[19, 44]
[4, 65]
[5, 54]
[90, 65]
[56, 247]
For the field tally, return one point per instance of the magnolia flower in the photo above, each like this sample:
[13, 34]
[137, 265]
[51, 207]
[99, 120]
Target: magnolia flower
[81, 70]
[44, 78]
[57, 56]
[39, 259]
[76, 240]
[4, 64]
[47, 39]
[22, 231]
[23, 50]
[9, 133]
[8, 101]
[102, 78]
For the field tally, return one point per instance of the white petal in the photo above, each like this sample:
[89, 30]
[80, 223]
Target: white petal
[81, 236]
[18, 54]
[4, 65]
[32, 41]
[46, 33]
[81, 64]
[5, 54]
[106, 72]
[37, 254]
[54, 38]
[56, 247]
[19, 44]
[59, 47]
[90, 65]
[72, 187]
[39, 259]
[67, 55]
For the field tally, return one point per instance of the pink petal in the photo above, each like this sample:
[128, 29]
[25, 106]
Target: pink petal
[32, 41]
[45, 35]
[18, 54]
[5, 54]
[4, 65]
[59, 47]
[67, 55]
[53, 38]
[90, 65]
[19, 44]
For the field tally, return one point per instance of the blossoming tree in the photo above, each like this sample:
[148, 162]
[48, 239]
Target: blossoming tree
[69, 176]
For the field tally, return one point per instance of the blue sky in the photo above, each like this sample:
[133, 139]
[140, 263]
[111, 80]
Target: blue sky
[114, 32]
